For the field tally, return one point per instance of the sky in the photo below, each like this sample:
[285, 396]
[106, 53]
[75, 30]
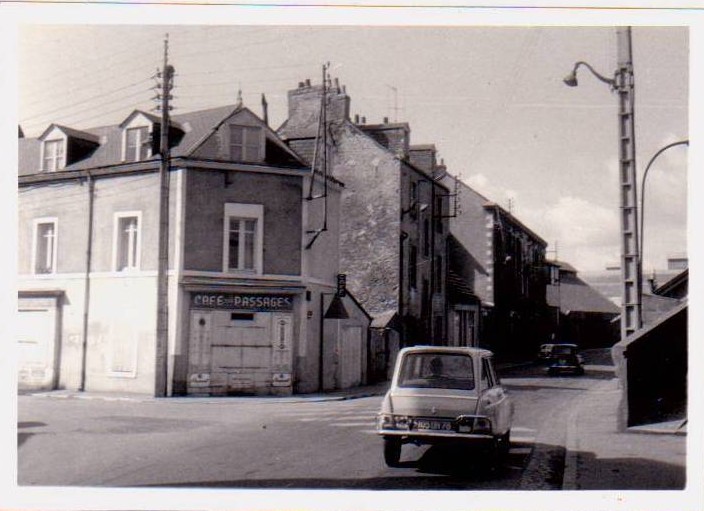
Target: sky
[491, 99]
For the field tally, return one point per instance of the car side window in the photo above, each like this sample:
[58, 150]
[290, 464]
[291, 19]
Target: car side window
[487, 374]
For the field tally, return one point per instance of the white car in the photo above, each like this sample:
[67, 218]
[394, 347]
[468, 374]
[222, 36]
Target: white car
[444, 394]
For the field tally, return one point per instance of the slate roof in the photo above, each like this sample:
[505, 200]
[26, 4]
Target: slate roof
[575, 295]
[196, 126]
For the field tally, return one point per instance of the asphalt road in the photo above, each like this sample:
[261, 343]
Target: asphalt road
[238, 443]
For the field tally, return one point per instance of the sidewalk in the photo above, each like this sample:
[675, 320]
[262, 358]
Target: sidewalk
[377, 389]
[599, 457]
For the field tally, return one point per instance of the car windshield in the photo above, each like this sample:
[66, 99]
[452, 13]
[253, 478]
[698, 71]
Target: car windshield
[563, 350]
[437, 370]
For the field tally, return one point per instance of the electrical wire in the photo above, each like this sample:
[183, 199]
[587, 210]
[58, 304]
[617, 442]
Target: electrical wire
[98, 96]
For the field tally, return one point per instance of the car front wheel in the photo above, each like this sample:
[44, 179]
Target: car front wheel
[392, 451]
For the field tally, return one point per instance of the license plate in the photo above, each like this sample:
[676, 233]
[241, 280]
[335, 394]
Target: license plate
[429, 425]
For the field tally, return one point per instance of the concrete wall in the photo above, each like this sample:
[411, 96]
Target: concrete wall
[208, 192]
[122, 313]
[473, 229]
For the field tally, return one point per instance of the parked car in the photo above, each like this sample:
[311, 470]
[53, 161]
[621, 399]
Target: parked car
[545, 352]
[565, 359]
[442, 394]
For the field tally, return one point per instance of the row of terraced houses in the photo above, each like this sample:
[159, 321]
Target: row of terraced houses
[300, 259]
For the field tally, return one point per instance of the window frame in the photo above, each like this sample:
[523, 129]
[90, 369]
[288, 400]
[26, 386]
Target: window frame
[244, 212]
[59, 162]
[245, 156]
[118, 216]
[54, 256]
[146, 143]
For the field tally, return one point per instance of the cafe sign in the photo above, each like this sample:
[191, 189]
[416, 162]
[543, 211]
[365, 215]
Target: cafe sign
[242, 301]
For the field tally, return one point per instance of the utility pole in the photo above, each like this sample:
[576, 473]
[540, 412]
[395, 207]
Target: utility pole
[631, 312]
[162, 320]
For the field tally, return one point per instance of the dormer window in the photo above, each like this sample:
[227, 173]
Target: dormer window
[137, 143]
[54, 155]
[246, 143]
[140, 136]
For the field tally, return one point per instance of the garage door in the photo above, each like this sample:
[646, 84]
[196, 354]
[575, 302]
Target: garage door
[35, 339]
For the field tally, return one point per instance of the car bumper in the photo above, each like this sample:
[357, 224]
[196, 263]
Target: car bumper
[434, 436]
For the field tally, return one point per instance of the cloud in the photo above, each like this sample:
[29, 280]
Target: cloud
[497, 194]
[587, 234]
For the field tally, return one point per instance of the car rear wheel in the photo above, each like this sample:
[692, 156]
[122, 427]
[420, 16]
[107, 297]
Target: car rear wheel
[505, 443]
[392, 451]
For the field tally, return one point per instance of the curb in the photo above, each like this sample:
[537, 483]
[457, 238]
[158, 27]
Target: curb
[207, 400]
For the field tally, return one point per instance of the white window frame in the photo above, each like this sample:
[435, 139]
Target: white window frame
[248, 212]
[246, 157]
[54, 258]
[117, 217]
[59, 162]
[150, 131]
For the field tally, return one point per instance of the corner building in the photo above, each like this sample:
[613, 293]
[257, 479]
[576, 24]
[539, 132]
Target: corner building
[242, 286]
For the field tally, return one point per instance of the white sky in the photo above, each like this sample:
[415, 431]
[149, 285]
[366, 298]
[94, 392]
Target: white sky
[491, 99]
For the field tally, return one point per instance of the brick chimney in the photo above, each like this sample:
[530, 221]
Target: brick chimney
[424, 157]
[393, 136]
[304, 109]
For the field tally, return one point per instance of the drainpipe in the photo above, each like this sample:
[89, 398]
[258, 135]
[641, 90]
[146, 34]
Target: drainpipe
[86, 292]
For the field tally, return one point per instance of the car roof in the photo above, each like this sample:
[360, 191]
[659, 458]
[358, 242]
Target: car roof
[463, 350]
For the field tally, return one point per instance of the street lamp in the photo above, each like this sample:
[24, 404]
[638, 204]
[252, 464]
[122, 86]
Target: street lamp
[642, 191]
[623, 84]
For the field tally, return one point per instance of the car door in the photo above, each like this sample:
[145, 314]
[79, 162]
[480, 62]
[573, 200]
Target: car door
[494, 401]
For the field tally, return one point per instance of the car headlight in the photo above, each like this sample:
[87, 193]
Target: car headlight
[390, 421]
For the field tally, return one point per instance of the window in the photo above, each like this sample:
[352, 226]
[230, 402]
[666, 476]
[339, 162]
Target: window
[439, 276]
[438, 214]
[137, 144]
[44, 253]
[243, 238]
[413, 267]
[426, 237]
[437, 370]
[246, 143]
[54, 155]
[127, 241]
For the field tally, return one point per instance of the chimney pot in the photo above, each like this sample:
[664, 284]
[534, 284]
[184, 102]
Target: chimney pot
[356, 118]
[364, 120]
[386, 120]
[307, 82]
[301, 85]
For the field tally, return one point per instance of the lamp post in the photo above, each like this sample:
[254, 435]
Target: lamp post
[623, 84]
[642, 192]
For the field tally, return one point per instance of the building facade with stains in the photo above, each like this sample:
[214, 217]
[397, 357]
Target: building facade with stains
[247, 296]
[498, 277]
[393, 226]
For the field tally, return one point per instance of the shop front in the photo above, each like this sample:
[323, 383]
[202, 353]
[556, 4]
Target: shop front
[241, 343]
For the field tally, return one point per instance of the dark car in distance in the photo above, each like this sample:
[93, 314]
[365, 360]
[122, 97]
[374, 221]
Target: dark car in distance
[565, 359]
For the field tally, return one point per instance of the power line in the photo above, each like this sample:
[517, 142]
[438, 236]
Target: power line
[131, 105]
[86, 100]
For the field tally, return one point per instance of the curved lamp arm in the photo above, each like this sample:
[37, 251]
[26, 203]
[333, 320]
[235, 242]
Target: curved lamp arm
[642, 188]
[571, 79]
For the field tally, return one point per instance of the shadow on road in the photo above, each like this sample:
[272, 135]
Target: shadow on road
[23, 436]
[598, 473]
